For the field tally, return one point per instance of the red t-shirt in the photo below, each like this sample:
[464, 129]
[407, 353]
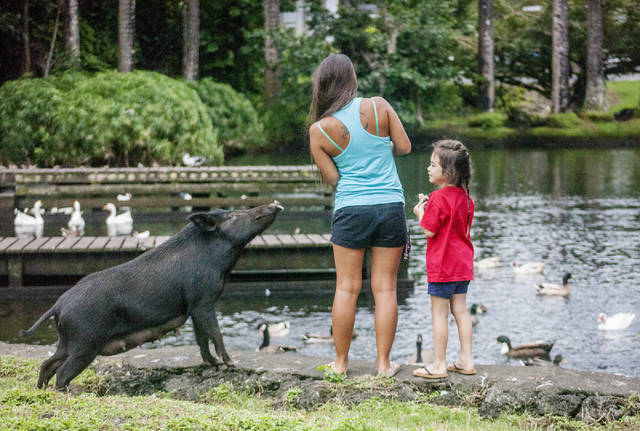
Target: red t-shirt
[449, 251]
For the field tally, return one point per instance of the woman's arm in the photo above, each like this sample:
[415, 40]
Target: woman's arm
[323, 160]
[399, 138]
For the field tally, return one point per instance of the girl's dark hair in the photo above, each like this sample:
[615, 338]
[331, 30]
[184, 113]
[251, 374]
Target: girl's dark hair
[456, 165]
[334, 85]
[455, 162]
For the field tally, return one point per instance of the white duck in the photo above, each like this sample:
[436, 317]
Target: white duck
[528, 268]
[555, 289]
[76, 222]
[26, 225]
[616, 322]
[191, 161]
[121, 224]
[487, 263]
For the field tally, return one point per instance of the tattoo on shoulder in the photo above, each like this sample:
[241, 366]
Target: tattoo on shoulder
[345, 132]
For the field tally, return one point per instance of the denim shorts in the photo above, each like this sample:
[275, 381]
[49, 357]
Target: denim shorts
[362, 226]
[447, 289]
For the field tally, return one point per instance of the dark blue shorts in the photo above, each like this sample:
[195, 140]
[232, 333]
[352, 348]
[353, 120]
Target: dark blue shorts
[448, 289]
[363, 226]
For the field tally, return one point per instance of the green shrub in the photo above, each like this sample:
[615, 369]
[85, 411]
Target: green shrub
[232, 116]
[596, 116]
[487, 120]
[564, 121]
[121, 119]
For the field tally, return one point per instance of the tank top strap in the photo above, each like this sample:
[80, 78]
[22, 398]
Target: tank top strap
[375, 114]
[328, 137]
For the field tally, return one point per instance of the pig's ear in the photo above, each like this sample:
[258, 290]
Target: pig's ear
[204, 221]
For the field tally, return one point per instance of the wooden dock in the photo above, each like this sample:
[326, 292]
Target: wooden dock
[279, 262]
[154, 187]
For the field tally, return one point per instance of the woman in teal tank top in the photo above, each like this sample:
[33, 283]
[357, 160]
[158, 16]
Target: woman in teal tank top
[352, 141]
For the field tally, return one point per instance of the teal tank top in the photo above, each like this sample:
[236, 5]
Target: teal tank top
[367, 170]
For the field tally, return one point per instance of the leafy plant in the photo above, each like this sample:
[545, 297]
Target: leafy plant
[330, 375]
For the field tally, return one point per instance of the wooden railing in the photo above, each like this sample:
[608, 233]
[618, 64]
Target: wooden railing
[164, 186]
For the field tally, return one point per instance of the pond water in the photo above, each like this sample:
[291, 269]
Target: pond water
[578, 209]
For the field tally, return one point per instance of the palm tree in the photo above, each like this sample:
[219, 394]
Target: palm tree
[560, 57]
[191, 33]
[126, 31]
[596, 91]
[485, 54]
[271, 71]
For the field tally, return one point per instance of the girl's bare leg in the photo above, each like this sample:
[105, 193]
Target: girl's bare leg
[440, 314]
[384, 277]
[343, 314]
[465, 330]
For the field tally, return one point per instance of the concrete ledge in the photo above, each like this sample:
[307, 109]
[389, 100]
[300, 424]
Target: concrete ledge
[592, 397]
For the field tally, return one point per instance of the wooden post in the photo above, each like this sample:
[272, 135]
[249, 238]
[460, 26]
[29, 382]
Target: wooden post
[14, 268]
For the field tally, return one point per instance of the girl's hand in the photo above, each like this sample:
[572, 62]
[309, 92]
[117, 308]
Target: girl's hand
[418, 210]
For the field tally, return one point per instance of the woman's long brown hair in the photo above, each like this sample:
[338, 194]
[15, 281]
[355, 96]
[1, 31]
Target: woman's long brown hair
[334, 86]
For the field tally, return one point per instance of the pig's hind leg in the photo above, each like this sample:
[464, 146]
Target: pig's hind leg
[204, 317]
[78, 359]
[51, 365]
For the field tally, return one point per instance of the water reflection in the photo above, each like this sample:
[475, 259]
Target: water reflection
[577, 209]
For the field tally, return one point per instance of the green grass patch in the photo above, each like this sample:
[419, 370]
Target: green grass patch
[222, 408]
[627, 92]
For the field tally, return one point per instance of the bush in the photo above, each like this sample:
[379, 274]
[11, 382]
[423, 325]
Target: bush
[487, 120]
[596, 116]
[564, 121]
[122, 119]
[232, 116]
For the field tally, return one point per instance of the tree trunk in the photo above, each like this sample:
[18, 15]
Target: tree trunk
[486, 93]
[560, 57]
[596, 91]
[191, 38]
[72, 34]
[126, 30]
[53, 42]
[27, 43]
[271, 71]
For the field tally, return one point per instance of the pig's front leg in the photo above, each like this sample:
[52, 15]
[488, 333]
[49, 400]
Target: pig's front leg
[204, 317]
[203, 342]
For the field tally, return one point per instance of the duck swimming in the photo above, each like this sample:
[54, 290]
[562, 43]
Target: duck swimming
[531, 350]
[555, 289]
[121, 224]
[616, 322]
[528, 268]
[26, 225]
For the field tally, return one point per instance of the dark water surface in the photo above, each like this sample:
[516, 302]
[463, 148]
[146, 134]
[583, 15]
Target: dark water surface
[578, 209]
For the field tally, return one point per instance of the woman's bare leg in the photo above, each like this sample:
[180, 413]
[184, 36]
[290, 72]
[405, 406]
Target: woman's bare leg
[465, 329]
[384, 277]
[343, 314]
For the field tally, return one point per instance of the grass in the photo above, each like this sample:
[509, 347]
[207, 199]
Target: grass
[627, 94]
[493, 127]
[24, 408]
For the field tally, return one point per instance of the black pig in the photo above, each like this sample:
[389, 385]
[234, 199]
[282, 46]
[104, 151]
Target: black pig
[117, 309]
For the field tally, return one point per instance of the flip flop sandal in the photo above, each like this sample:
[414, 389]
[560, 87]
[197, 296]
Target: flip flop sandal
[395, 369]
[455, 369]
[426, 374]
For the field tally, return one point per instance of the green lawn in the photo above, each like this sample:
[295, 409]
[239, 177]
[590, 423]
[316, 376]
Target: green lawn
[24, 408]
[627, 92]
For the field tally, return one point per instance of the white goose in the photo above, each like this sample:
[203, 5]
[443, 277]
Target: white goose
[76, 222]
[616, 322]
[528, 268]
[276, 330]
[121, 224]
[189, 160]
[26, 225]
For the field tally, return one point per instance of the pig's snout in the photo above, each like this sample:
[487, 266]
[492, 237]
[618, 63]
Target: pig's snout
[278, 205]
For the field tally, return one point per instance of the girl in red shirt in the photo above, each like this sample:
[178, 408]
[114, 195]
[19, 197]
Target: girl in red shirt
[446, 220]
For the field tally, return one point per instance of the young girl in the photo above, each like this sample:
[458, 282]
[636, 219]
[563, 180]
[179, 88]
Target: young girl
[446, 220]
